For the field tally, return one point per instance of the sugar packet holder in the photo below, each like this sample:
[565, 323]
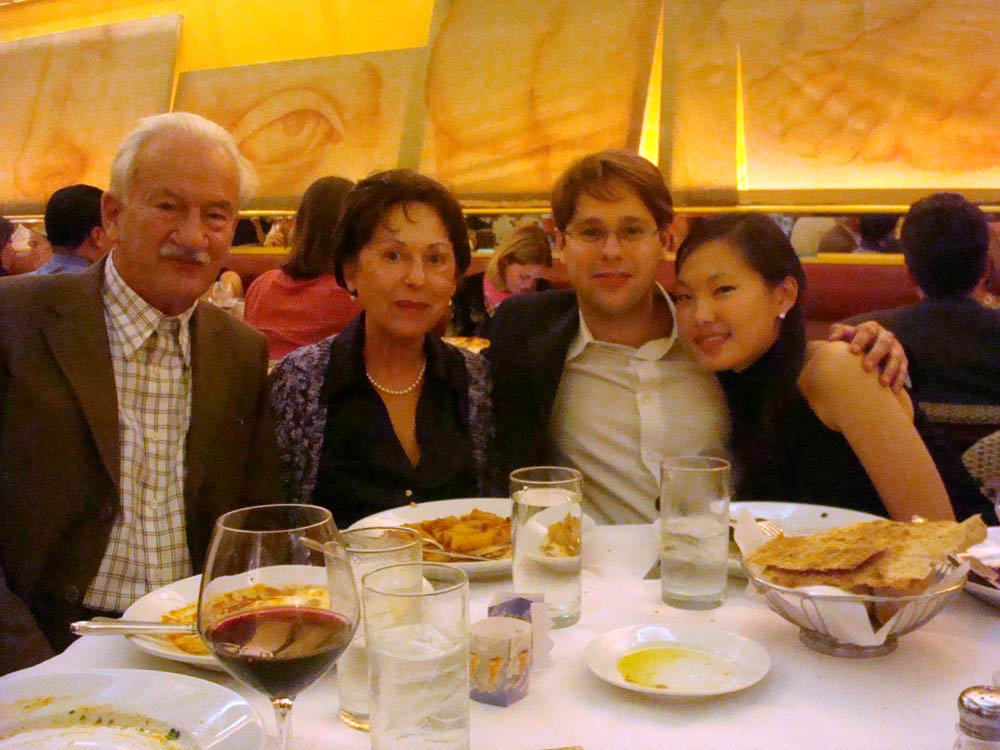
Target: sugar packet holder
[532, 609]
[501, 648]
[845, 617]
[499, 660]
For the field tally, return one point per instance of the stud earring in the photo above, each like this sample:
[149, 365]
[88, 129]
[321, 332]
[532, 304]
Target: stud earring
[782, 315]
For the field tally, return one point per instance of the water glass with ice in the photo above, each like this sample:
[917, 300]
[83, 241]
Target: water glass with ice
[368, 549]
[546, 537]
[417, 633]
[694, 531]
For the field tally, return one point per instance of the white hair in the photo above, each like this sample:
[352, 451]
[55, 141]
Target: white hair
[124, 164]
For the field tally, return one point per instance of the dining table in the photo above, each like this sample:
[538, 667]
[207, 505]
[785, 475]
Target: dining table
[905, 699]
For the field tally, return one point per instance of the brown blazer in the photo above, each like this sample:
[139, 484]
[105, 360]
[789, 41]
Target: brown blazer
[59, 451]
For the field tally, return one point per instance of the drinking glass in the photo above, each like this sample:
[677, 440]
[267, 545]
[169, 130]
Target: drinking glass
[278, 603]
[694, 531]
[417, 631]
[546, 537]
[368, 549]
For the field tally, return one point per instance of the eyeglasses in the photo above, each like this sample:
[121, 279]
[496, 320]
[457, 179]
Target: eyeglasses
[597, 236]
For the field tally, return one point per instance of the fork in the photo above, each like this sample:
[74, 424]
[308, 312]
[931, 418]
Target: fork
[438, 548]
[769, 527]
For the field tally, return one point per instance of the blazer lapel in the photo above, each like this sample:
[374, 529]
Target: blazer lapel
[548, 354]
[209, 393]
[77, 335]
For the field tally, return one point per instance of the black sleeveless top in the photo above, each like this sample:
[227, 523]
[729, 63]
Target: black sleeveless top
[807, 462]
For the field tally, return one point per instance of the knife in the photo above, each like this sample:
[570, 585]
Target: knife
[111, 626]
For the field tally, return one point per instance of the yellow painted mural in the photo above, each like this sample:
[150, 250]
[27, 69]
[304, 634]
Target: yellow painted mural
[518, 89]
[805, 103]
[845, 96]
[303, 119]
[223, 33]
[70, 98]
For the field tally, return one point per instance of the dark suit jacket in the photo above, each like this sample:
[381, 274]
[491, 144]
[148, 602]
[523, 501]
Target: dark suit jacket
[59, 450]
[529, 337]
[953, 345]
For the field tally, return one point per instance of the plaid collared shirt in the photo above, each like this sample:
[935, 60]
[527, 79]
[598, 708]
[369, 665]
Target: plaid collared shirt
[151, 355]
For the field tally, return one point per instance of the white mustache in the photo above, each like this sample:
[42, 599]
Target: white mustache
[183, 254]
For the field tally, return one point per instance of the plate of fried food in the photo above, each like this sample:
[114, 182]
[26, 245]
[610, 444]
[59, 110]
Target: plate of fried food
[853, 589]
[470, 533]
[178, 603]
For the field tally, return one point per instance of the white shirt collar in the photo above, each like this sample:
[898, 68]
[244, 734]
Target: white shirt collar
[133, 319]
[652, 350]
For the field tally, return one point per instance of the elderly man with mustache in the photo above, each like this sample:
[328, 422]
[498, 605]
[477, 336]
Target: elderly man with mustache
[131, 415]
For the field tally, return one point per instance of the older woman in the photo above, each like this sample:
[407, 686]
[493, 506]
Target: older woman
[516, 267]
[386, 413]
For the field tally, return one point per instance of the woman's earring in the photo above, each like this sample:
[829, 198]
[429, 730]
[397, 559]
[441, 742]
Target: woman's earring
[781, 316]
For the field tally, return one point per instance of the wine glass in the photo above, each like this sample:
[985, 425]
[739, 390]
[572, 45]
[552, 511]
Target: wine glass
[278, 603]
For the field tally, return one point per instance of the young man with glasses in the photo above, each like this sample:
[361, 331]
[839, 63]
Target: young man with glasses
[595, 377]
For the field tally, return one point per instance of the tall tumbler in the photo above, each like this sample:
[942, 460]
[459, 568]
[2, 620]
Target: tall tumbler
[368, 549]
[417, 630]
[547, 538]
[694, 531]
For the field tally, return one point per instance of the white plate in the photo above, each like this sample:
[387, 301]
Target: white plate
[989, 553]
[536, 531]
[711, 661]
[801, 518]
[33, 709]
[157, 603]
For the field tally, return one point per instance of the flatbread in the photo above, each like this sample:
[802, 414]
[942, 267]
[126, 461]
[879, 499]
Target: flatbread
[842, 548]
[888, 556]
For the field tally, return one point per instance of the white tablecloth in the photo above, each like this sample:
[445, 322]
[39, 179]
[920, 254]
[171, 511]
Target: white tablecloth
[904, 700]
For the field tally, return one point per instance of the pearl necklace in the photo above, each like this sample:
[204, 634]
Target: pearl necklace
[398, 391]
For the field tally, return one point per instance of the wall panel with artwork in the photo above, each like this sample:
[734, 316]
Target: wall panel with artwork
[842, 102]
[70, 98]
[303, 119]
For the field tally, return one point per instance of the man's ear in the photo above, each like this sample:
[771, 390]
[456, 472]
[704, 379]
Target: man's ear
[666, 240]
[560, 236]
[94, 246]
[111, 209]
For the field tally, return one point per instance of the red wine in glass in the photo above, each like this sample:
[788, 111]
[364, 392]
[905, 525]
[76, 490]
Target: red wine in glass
[280, 651]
